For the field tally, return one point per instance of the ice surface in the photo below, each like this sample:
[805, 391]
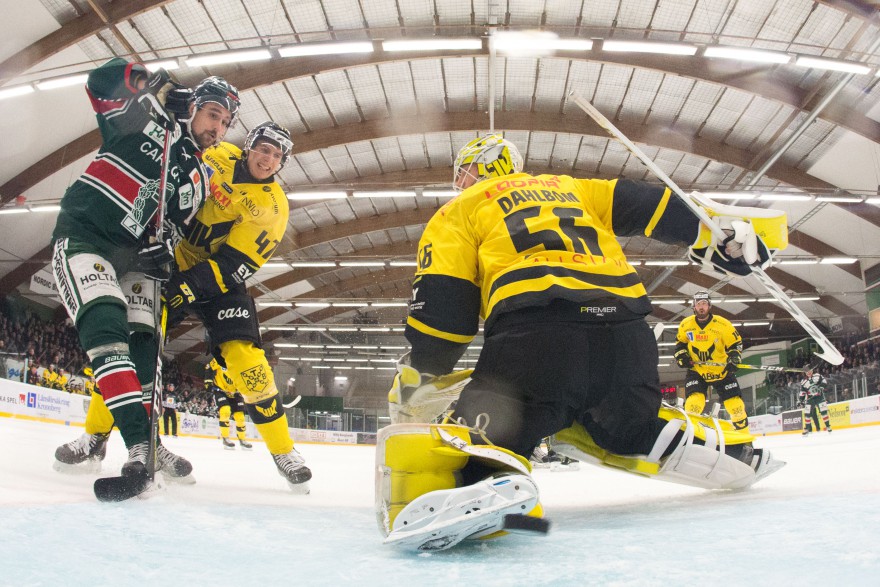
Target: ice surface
[815, 522]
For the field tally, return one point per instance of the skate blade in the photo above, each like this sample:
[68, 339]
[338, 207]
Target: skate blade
[87, 467]
[228, 447]
[172, 480]
[299, 488]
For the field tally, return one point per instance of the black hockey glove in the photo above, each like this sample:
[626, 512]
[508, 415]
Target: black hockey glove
[683, 358]
[177, 292]
[731, 367]
[156, 260]
[172, 96]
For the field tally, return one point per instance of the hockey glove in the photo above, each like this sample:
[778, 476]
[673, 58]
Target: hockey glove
[172, 97]
[419, 397]
[731, 367]
[177, 292]
[741, 250]
[683, 358]
[155, 260]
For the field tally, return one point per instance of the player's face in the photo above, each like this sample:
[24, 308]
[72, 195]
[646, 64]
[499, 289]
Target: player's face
[209, 124]
[264, 160]
[701, 308]
[467, 176]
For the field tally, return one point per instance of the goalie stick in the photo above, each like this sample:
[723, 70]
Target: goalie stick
[124, 487]
[830, 353]
[755, 367]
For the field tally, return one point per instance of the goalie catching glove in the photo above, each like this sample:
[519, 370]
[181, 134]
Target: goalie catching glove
[420, 397]
[736, 254]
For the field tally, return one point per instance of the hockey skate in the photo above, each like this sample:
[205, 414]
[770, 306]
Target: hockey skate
[83, 455]
[227, 444]
[441, 519]
[134, 480]
[539, 458]
[174, 468]
[293, 468]
[245, 444]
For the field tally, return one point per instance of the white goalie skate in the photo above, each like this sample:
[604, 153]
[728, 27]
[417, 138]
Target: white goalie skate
[441, 519]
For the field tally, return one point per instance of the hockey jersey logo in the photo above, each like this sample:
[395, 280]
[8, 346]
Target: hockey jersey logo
[255, 379]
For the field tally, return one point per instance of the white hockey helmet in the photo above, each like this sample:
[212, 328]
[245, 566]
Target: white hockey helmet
[493, 155]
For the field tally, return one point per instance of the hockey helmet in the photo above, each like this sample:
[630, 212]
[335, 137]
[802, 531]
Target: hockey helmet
[218, 90]
[272, 133]
[702, 295]
[494, 156]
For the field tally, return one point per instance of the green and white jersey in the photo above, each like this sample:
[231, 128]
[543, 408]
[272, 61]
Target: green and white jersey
[115, 200]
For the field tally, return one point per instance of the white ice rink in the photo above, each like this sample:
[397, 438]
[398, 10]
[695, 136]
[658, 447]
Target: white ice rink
[815, 522]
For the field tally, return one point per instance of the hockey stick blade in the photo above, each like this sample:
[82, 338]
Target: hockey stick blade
[113, 489]
[293, 402]
[658, 330]
[830, 353]
[522, 524]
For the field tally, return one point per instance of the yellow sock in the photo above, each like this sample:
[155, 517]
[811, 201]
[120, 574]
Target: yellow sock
[737, 410]
[695, 403]
[99, 420]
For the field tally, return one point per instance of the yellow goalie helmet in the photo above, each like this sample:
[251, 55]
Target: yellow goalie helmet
[493, 156]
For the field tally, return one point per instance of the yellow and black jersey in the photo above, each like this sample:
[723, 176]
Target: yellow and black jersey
[519, 241]
[217, 379]
[716, 341]
[238, 228]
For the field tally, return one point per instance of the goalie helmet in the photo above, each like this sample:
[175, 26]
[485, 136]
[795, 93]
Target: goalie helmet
[218, 90]
[493, 156]
[274, 134]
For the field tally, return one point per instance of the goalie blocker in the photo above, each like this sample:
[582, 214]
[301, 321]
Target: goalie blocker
[420, 504]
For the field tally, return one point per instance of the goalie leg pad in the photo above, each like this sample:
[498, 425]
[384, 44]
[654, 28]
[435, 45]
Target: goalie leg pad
[416, 460]
[700, 458]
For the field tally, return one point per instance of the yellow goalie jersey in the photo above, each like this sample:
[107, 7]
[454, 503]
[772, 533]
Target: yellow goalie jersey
[522, 241]
[238, 228]
[712, 343]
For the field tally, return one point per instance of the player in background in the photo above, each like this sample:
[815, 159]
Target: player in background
[567, 350]
[229, 403]
[103, 255]
[705, 338]
[811, 398]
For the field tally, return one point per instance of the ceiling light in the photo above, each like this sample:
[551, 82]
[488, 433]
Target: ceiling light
[662, 364]
[320, 366]
[403, 264]
[731, 195]
[805, 299]
[439, 193]
[276, 265]
[166, 64]
[662, 302]
[311, 328]
[433, 45]
[306, 49]
[743, 54]
[371, 329]
[14, 211]
[756, 324]
[349, 304]
[63, 82]
[666, 263]
[385, 194]
[875, 201]
[316, 195]
[734, 300]
[303, 264]
[649, 47]
[785, 197]
[275, 304]
[851, 199]
[768, 299]
[661, 344]
[312, 304]
[342, 329]
[362, 263]
[229, 57]
[46, 208]
[16, 91]
[832, 64]
[286, 345]
[364, 368]
[389, 304]
[838, 260]
[784, 261]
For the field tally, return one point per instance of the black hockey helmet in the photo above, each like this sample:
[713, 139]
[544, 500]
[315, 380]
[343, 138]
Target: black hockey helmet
[218, 90]
[272, 133]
